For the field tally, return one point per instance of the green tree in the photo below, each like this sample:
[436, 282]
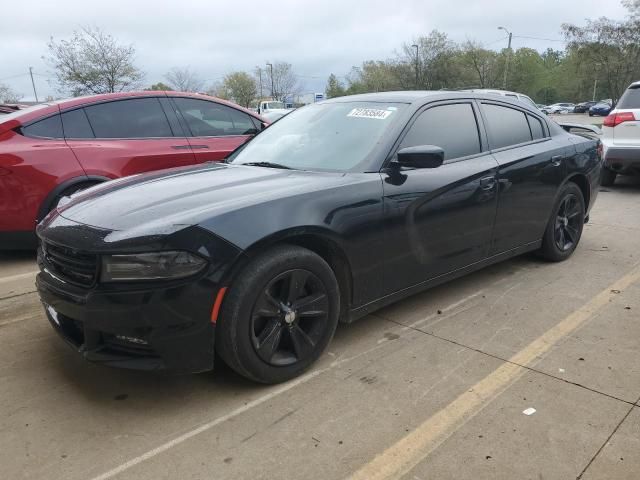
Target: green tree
[334, 87]
[159, 87]
[241, 87]
[93, 62]
[481, 66]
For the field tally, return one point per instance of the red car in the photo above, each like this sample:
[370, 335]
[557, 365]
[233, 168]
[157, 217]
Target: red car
[52, 150]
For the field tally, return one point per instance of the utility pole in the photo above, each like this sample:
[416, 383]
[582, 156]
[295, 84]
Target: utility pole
[272, 89]
[595, 85]
[506, 65]
[260, 78]
[417, 64]
[33, 84]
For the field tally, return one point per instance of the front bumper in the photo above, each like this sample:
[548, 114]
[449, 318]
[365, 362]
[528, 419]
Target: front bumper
[146, 329]
[623, 160]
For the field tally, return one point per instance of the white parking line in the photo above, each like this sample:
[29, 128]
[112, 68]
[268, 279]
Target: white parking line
[20, 276]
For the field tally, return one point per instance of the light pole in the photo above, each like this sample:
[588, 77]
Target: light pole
[506, 65]
[271, 74]
[417, 64]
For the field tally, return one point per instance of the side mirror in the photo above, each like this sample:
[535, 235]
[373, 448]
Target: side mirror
[263, 125]
[421, 156]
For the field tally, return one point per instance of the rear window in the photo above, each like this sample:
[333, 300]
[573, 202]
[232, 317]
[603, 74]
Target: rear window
[630, 99]
[50, 127]
[135, 118]
[506, 126]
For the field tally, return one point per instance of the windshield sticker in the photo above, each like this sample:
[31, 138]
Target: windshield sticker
[369, 113]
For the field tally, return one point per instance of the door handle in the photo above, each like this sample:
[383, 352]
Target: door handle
[180, 147]
[487, 183]
[199, 147]
[556, 160]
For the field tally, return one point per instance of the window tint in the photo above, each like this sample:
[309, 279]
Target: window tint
[76, 125]
[451, 127]
[630, 99]
[48, 128]
[210, 119]
[135, 118]
[536, 127]
[506, 126]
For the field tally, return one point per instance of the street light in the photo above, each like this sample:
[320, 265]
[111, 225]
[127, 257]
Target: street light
[417, 64]
[271, 71]
[506, 66]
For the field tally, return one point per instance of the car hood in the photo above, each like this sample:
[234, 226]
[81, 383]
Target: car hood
[166, 202]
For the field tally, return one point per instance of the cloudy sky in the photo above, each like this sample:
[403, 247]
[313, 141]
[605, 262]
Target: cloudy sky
[215, 37]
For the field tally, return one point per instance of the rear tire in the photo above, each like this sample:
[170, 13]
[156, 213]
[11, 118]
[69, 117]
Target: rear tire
[279, 314]
[608, 177]
[564, 228]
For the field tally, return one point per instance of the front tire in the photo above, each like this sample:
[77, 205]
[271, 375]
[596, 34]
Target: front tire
[279, 315]
[564, 228]
[608, 177]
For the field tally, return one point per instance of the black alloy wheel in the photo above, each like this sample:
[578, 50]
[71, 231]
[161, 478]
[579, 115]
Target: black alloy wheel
[289, 317]
[565, 225]
[279, 314]
[568, 223]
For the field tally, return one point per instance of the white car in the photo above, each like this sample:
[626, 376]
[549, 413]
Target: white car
[559, 108]
[621, 137]
[272, 110]
[505, 93]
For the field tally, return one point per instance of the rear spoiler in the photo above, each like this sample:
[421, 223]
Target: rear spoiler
[581, 128]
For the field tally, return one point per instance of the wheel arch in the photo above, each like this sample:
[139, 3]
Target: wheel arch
[46, 204]
[582, 182]
[322, 243]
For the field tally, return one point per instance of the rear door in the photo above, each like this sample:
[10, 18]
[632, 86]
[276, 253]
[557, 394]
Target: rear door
[440, 219]
[531, 169]
[627, 133]
[125, 137]
[214, 130]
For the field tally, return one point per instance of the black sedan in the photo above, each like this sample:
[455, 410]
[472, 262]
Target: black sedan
[583, 107]
[334, 211]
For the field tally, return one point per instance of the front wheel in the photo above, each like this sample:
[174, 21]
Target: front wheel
[565, 225]
[278, 315]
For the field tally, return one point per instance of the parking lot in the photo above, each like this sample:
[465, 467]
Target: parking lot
[526, 369]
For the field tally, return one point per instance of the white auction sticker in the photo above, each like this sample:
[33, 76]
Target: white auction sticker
[369, 113]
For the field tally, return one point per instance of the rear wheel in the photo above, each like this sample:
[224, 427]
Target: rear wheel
[565, 225]
[608, 177]
[279, 315]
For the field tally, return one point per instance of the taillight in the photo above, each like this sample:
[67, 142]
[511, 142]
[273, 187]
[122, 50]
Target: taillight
[618, 118]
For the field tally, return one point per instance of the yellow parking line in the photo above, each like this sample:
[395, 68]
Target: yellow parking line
[410, 450]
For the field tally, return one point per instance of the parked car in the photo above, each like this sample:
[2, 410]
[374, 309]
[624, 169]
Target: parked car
[336, 210]
[4, 108]
[559, 108]
[272, 110]
[505, 93]
[621, 137]
[50, 151]
[583, 107]
[602, 109]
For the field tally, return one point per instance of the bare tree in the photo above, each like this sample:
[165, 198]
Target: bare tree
[281, 80]
[184, 80]
[8, 95]
[93, 62]
[483, 63]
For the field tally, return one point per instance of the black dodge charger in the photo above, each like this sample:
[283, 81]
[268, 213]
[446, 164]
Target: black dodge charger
[334, 211]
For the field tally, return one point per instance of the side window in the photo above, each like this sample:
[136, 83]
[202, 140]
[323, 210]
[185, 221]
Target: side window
[211, 119]
[134, 118]
[506, 126]
[536, 127]
[76, 125]
[451, 127]
[50, 127]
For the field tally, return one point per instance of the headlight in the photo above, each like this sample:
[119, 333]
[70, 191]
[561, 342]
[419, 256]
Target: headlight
[150, 266]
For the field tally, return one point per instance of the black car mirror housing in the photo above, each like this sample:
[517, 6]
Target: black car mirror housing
[421, 156]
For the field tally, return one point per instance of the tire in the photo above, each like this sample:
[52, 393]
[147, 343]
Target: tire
[564, 228]
[608, 177]
[260, 333]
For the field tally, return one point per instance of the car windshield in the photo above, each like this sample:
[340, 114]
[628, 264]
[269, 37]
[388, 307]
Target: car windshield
[272, 105]
[630, 99]
[327, 136]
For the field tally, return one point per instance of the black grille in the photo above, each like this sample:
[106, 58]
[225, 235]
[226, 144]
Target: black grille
[70, 265]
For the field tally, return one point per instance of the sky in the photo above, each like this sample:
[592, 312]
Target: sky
[215, 37]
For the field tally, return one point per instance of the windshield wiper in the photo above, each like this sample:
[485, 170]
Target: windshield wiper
[268, 165]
